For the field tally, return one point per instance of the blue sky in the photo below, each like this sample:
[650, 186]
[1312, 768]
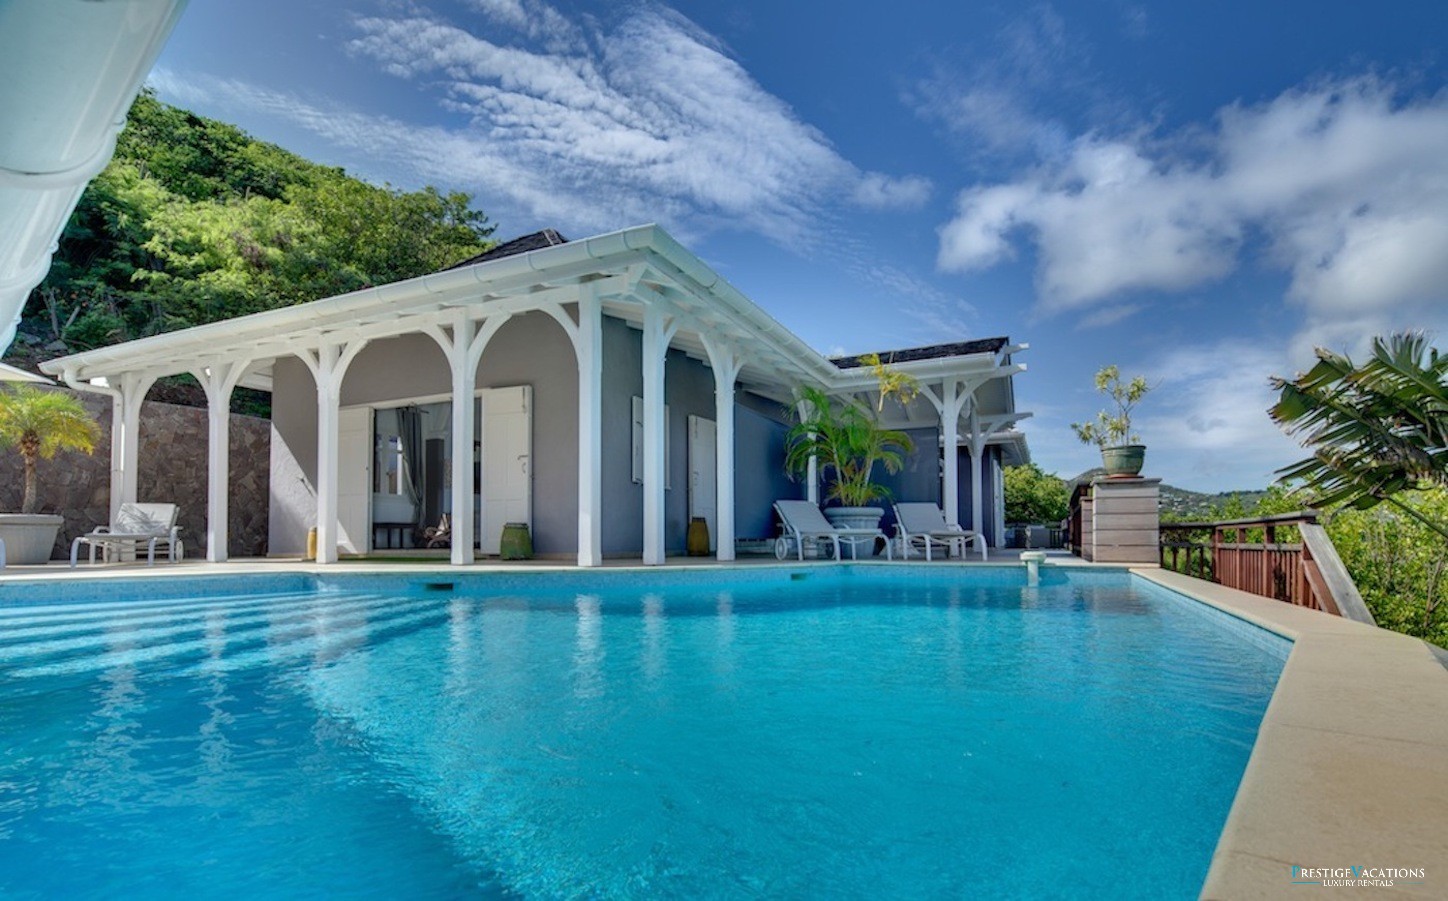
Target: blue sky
[1198, 192]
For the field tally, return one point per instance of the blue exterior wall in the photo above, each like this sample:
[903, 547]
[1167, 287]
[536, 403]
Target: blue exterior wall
[987, 484]
[759, 476]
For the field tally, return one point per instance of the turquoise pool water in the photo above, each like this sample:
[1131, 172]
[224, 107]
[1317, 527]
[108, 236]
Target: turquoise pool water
[860, 732]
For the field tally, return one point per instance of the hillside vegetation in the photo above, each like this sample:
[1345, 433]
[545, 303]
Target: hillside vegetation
[194, 221]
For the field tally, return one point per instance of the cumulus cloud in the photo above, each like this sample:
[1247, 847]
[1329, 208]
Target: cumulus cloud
[1346, 182]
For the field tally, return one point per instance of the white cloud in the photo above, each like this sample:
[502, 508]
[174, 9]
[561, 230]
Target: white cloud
[1207, 415]
[650, 119]
[882, 192]
[1347, 183]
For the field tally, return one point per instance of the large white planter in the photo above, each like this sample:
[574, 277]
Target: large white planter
[856, 518]
[29, 537]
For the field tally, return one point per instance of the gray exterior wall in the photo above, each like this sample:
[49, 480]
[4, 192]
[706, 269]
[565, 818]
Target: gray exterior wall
[530, 349]
[688, 391]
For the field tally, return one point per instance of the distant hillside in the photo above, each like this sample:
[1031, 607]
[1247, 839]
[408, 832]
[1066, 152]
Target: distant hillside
[195, 221]
[1183, 505]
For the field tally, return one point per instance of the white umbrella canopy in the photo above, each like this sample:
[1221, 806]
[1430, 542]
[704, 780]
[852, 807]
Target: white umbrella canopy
[11, 374]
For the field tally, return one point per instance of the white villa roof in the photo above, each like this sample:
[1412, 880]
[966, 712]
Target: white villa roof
[640, 263]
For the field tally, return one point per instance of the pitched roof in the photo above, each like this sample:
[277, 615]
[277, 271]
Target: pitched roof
[535, 241]
[934, 351]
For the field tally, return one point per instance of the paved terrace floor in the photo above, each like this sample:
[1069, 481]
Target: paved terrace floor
[1350, 767]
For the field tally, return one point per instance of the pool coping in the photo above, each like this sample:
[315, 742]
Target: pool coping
[1350, 766]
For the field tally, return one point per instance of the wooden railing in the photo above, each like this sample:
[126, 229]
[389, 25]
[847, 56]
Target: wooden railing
[1288, 557]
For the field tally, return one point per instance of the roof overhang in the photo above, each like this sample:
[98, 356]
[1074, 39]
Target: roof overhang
[627, 269]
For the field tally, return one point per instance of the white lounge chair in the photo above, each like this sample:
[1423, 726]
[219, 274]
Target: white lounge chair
[136, 524]
[801, 520]
[923, 526]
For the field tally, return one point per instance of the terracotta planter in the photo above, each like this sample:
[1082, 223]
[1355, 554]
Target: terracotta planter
[1124, 461]
[29, 537]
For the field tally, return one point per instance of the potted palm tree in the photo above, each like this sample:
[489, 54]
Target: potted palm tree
[848, 443]
[39, 424]
[1122, 453]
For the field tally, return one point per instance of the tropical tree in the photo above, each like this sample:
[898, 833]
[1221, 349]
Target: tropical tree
[41, 423]
[1375, 430]
[847, 442]
[1033, 495]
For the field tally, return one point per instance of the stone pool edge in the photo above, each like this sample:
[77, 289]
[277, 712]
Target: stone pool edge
[1350, 766]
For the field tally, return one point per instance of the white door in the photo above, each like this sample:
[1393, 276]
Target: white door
[354, 479]
[507, 489]
[703, 473]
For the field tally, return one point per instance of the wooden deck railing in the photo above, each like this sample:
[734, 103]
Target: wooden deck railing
[1288, 557]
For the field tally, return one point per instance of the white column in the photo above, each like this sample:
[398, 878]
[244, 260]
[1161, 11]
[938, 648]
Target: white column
[590, 429]
[657, 332]
[950, 450]
[464, 405]
[219, 382]
[126, 439]
[329, 401]
[725, 364]
[977, 460]
[812, 471]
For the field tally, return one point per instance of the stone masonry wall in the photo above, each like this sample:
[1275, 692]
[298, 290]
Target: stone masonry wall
[173, 470]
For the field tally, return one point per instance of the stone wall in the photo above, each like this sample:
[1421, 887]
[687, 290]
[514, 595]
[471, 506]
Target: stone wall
[173, 470]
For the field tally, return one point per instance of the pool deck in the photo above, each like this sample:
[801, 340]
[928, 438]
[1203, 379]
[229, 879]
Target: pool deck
[1350, 767]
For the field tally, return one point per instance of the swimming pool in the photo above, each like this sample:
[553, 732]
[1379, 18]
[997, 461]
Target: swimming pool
[843, 731]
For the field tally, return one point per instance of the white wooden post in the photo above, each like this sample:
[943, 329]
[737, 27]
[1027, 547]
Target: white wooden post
[977, 460]
[589, 349]
[657, 332]
[329, 400]
[726, 365]
[950, 450]
[126, 438]
[464, 405]
[812, 471]
[329, 366]
[219, 382]
[464, 349]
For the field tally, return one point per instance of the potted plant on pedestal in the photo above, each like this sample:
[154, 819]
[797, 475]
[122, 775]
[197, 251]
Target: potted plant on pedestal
[1122, 453]
[39, 424]
[847, 442]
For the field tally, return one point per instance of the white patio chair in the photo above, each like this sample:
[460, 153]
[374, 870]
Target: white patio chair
[801, 520]
[923, 526]
[150, 524]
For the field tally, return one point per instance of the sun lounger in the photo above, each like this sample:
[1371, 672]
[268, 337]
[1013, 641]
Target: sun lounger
[922, 526]
[800, 521]
[151, 525]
